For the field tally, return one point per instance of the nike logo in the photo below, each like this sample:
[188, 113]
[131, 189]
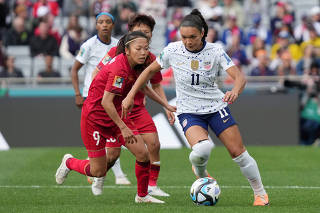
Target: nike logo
[224, 121]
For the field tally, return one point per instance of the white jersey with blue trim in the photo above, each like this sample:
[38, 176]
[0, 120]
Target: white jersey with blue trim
[91, 53]
[195, 76]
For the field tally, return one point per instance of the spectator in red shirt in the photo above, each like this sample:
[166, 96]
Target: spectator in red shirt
[42, 5]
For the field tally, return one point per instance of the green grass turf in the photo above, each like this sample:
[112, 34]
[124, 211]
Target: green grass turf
[22, 168]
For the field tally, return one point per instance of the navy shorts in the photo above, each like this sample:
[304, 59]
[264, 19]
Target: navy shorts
[217, 121]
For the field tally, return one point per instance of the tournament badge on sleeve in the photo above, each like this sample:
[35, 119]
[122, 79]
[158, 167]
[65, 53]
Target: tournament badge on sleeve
[194, 65]
[117, 82]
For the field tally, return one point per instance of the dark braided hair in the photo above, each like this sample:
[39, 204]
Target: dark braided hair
[124, 43]
[195, 19]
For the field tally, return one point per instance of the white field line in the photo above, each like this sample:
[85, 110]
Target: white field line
[165, 187]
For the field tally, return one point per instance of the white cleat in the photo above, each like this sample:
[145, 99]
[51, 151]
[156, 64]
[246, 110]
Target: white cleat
[63, 171]
[147, 199]
[97, 185]
[156, 191]
[122, 180]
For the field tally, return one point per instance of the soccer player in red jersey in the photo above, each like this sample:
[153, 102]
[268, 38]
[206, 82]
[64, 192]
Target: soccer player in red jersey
[102, 126]
[139, 114]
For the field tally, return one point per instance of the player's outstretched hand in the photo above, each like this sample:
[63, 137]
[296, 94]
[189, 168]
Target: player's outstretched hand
[171, 117]
[128, 136]
[230, 97]
[126, 105]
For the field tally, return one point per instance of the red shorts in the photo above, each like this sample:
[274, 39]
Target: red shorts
[96, 137]
[142, 120]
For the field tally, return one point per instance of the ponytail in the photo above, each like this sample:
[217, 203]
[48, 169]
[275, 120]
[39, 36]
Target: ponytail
[195, 19]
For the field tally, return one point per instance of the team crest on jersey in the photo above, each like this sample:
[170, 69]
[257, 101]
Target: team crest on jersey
[106, 59]
[194, 65]
[117, 82]
[184, 123]
[207, 65]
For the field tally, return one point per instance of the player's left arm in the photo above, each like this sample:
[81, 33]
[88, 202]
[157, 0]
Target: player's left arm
[154, 96]
[159, 90]
[239, 84]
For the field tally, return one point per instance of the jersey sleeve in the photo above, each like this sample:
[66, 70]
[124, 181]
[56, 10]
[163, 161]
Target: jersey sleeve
[110, 55]
[84, 53]
[156, 78]
[163, 58]
[116, 81]
[224, 60]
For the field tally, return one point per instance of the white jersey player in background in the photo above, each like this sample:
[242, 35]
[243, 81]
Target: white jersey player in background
[200, 103]
[90, 54]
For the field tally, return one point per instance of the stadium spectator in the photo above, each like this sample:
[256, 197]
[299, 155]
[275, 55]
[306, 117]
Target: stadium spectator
[301, 32]
[179, 3]
[172, 33]
[253, 8]
[77, 7]
[48, 72]
[22, 12]
[262, 69]
[44, 43]
[9, 70]
[122, 13]
[283, 42]
[211, 11]
[17, 34]
[42, 6]
[258, 30]
[276, 21]
[213, 34]
[284, 64]
[72, 39]
[257, 45]
[237, 52]
[232, 29]
[233, 8]
[2, 53]
[309, 58]
[314, 40]
[28, 4]
[155, 8]
[315, 18]
[49, 19]
[4, 13]
[99, 6]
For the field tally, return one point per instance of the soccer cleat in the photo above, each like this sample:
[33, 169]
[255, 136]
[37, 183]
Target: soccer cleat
[123, 180]
[147, 199]
[156, 191]
[261, 200]
[63, 170]
[194, 172]
[97, 185]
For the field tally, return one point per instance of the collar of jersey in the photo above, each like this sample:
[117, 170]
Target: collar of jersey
[197, 51]
[104, 42]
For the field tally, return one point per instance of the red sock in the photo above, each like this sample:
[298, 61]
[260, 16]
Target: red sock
[81, 166]
[142, 174]
[154, 174]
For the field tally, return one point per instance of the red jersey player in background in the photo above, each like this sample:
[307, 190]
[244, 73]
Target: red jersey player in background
[101, 125]
[139, 114]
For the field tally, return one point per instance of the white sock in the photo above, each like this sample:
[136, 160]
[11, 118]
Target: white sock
[116, 168]
[249, 168]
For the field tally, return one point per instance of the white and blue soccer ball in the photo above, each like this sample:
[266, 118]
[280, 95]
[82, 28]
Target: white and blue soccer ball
[205, 191]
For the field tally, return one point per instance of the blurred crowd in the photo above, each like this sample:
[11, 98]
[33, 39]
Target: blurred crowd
[263, 38]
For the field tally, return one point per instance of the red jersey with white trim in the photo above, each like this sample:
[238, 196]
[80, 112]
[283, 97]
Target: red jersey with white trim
[156, 78]
[116, 77]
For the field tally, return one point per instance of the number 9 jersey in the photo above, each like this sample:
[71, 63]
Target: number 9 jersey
[195, 75]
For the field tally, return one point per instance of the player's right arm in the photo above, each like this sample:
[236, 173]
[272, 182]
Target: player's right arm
[75, 83]
[144, 77]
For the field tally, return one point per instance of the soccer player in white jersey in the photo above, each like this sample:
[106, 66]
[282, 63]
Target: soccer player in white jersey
[200, 103]
[89, 56]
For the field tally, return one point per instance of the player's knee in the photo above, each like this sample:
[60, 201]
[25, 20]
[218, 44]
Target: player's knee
[236, 151]
[142, 155]
[154, 147]
[201, 152]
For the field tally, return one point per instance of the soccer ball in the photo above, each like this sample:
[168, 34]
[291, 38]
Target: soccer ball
[205, 191]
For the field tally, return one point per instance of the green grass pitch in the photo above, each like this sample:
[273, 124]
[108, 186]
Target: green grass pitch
[291, 176]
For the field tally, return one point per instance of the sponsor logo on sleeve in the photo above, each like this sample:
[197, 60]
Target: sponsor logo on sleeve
[118, 82]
